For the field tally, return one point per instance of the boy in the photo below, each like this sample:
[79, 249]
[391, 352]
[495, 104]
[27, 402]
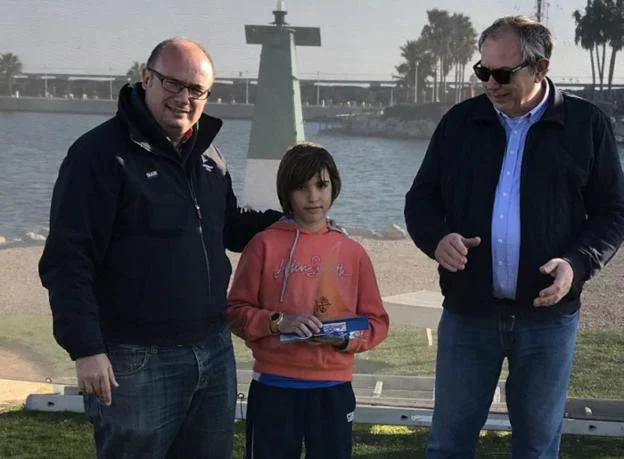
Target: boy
[290, 277]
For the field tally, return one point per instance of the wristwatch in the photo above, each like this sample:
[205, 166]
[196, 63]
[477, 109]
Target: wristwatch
[275, 320]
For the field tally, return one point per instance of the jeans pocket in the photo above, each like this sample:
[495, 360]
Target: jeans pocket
[127, 359]
[569, 318]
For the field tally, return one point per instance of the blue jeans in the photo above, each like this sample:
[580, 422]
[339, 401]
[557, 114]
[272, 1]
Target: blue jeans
[470, 356]
[172, 401]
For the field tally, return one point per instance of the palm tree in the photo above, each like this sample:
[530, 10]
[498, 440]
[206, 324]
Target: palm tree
[417, 66]
[593, 32]
[10, 66]
[602, 24]
[615, 33]
[463, 44]
[600, 16]
[446, 42]
[134, 72]
[585, 35]
[437, 35]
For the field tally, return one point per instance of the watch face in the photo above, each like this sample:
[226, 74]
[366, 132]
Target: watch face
[275, 316]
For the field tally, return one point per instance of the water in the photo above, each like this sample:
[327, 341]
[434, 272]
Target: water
[376, 173]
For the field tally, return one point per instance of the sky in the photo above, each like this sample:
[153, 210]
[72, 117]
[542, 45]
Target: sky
[360, 38]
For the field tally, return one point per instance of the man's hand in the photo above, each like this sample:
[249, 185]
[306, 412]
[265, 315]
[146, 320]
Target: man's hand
[304, 325]
[563, 274]
[95, 376]
[452, 251]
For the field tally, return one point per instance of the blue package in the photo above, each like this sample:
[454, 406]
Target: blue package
[346, 327]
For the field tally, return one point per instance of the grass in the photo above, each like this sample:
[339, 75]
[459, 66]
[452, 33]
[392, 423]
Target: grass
[598, 370]
[50, 435]
[598, 373]
[30, 336]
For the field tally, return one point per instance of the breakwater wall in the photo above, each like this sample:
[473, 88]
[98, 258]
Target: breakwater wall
[109, 107]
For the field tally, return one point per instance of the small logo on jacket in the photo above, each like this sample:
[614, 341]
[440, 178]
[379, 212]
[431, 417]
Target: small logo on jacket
[350, 416]
[151, 174]
[205, 164]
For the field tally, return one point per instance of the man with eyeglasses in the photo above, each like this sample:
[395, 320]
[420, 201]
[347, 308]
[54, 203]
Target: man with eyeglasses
[520, 199]
[135, 265]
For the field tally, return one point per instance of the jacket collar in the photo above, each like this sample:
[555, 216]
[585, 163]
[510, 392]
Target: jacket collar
[145, 131]
[555, 111]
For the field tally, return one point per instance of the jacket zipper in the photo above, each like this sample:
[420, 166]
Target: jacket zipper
[189, 181]
[200, 229]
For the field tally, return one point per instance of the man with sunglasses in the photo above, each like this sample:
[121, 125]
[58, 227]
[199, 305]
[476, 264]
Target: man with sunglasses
[136, 268]
[520, 199]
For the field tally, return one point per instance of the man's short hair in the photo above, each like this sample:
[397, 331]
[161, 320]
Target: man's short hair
[158, 49]
[300, 164]
[536, 41]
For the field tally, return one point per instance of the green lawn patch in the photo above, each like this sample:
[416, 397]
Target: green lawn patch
[27, 435]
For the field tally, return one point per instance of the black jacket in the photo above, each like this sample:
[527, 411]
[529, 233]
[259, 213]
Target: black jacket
[138, 232]
[571, 204]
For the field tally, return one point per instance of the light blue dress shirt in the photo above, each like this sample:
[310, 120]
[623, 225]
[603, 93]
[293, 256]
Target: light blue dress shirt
[506, 216]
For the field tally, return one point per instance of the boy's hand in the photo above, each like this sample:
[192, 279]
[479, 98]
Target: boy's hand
[304, 325]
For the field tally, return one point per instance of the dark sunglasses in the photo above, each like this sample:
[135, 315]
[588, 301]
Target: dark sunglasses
[175, 86]
[501, 75]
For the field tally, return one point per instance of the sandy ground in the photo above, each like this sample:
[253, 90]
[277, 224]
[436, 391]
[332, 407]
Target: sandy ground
[399, 265]
[14, 392]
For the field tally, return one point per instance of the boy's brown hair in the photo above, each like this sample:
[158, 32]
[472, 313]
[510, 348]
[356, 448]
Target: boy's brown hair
[300, 164]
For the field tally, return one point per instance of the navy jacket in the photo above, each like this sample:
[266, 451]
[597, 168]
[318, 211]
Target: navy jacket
[571, 201]
[138, 232]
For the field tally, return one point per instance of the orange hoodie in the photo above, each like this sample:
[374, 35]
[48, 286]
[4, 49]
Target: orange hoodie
[288, 269]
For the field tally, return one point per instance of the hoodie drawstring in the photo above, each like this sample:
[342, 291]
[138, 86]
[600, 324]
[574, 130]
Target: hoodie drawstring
[291, 254]
[287, 267]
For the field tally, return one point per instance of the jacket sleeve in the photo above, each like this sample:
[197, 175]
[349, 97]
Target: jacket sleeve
[424, 205]
[248, 319]
[242, 224]
[604, 205]
[81, 218]
[369, 304]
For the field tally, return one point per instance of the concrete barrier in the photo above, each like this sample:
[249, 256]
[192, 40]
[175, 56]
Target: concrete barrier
[422, 309]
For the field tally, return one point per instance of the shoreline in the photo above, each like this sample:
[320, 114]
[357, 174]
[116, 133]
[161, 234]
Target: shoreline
[108, 107]
[38, 237]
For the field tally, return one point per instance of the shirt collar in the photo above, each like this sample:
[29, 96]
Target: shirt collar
[187, 136]
[535, 112]
[178, 144]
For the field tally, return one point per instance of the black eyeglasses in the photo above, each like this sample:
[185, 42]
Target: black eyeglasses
[175, 86]
[501, 75]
